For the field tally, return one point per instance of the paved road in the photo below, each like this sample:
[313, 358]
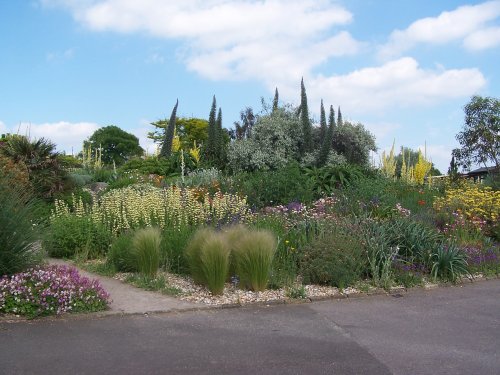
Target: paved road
[452, 330]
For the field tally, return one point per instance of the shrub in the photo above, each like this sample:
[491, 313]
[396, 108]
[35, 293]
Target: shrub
[337, 259]
[146, 248]
[267, 188]
[70, 235]
[208, 257]
[17, 234]
[121, 254]
[449, 263]
[50, 290]
[253, 257]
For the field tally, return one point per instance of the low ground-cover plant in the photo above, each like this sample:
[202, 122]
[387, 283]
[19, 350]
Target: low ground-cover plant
[50, 290]
[337, 258]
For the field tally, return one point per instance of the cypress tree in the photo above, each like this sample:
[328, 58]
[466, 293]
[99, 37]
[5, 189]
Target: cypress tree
[166, 148]
[211, 146]
[275, 100]
[339, 118]
[327, 141]
[307, 143]
[219, 145]
[322, 122]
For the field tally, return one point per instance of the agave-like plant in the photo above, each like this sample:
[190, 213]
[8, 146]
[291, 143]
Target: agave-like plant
[41, 160]
[449, 263]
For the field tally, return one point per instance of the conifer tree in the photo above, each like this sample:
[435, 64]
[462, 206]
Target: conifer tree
[339, 118]
[326, 146]
[211, 145]
[322, 122]
[275, 100]
[166, 148]
[219, 144]
[307, 143]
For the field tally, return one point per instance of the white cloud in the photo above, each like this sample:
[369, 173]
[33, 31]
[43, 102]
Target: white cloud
[60, 56]
[459, 24]
[155, 58]
[231, 39]
[67, 136]
[398, 83]
[483, 39]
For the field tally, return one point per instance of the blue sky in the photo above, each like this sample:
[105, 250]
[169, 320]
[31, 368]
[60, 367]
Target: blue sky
[402, 68]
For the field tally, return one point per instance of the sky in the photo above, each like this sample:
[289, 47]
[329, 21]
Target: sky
[403, 68]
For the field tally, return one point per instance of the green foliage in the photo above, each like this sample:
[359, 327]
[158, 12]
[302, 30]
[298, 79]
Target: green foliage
[336, 258]
[449, 263]
[326, 179]
[354, 142]
[174, 243]
[189, 131]
[273, 144]
[156, 283]
[149, 165]
[17, 233]
[307, 143]
[116, 144]
[211, 146]
[166, 148]
[253, 255]
[208, 257]
[70, 235]
[480, 138]
[121, 254]
[45, 172]
[146, 245]
[327, 138]
[275, 100]
[264, 188]
[296, 292]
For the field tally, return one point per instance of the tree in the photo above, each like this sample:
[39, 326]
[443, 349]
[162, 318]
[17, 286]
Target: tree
[243, 128]
[211, 144]
[326, 146]
[339, 118]
[453, 169]
[322, 122]
[166, 148]
[189, 130]
[307, 142]
[354, 142]
[480, 137]
[116, 144]
[275, 100]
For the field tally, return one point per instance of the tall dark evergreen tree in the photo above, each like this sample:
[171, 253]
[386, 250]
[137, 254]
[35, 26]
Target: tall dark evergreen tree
[340, 122]
[219, 145]
[275, 100]
[211, 145]
[166, 148]
[326, 146]
[322, 122]
[307, 143]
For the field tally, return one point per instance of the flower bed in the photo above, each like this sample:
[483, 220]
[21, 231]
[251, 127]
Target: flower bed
[50, 290]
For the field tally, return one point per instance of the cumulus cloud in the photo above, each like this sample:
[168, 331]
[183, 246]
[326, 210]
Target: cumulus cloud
[400, 82]
[66, 135]
[235, 39]
[466, 23]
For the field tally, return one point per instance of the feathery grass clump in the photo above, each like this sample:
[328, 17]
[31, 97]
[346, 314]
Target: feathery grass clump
[253, 255]
[146, 246]
[207, 255]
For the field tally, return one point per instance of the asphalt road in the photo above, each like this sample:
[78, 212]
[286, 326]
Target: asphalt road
[453, 330]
